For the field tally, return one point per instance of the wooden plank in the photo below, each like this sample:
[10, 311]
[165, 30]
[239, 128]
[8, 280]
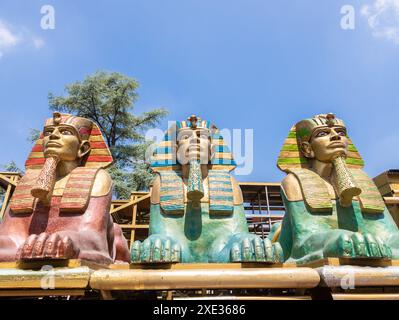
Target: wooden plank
[4, 180]
[42, 293]
[6, 199]
[260, 184]
[385, 178]
[137, 226]
[391, 200]
[386, 190]
[394, 210]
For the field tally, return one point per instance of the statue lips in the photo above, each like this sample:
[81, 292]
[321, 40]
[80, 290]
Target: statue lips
[53, 144]
[334, 145]
[193, 151]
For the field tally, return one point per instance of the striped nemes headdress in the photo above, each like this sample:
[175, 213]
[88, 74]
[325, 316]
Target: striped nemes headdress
[291, 156]
[99, 155]
[164, 156]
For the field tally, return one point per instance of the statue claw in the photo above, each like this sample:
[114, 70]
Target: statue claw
[47, 246]
[156, 249]
[254, 249]
[358, 246]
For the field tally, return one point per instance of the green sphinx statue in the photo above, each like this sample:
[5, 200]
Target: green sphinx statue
[197, 212]
[333, 209]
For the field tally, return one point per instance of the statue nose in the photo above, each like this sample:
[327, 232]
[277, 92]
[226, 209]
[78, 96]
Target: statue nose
[194, 139]
[55, 134]
[335, 135]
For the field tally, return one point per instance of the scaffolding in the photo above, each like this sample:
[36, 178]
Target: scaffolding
[263, 207]
[8, 181]
[388, 185]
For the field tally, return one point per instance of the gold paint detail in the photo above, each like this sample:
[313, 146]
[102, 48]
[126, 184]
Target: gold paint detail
[345, 185]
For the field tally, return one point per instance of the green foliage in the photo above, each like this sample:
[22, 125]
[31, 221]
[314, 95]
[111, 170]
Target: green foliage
[108, 99]
[34, 135]
[11, 167]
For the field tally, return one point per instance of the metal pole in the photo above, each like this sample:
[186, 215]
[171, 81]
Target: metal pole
[268, 209]
[150, 279]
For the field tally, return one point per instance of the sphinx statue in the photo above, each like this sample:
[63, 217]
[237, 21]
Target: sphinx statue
[197, 212]
[60, 207]
[333, 209]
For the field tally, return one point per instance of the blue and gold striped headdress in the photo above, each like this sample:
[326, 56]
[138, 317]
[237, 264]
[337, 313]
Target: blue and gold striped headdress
[164, 157]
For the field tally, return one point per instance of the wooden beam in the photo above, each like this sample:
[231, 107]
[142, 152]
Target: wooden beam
[131, 203]
[131, 226]
[41, 293]
[4, 180]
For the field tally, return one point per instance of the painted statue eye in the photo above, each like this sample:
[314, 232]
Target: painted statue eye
[341, 133]
[321, 134]
[66, 132]
[47, 133]
[204, 136]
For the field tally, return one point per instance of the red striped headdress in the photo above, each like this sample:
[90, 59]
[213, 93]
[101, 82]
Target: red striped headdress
[99, 155]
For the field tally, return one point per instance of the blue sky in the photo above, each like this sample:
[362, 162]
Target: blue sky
[249, 64]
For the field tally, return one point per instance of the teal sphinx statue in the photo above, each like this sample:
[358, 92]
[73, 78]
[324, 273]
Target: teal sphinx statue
[333, 209]
[197, 212]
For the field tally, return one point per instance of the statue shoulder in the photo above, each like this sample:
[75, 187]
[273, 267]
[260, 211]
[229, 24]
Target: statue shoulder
[237, 193]
[156, 190]
[291, 188]
[102, 184]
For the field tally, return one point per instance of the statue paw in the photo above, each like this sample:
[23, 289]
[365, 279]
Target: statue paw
[156, 249]
[47, 246]
[254, 249]
[376, 248]
[358, 245]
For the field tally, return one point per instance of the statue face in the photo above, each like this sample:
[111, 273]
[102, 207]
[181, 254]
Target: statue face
[326, 143]
[193, 144]
[63, 141]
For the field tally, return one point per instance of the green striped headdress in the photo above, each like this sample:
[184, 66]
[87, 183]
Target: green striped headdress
[291, 156]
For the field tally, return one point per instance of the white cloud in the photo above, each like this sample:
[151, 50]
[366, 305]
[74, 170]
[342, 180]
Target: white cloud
[11, 37]
[38, 42]
[7, 38]
[383, 19]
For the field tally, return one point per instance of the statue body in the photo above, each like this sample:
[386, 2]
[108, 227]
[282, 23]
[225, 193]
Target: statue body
[197, 212]
[333, 209]
[203, 237]
[60, 208]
